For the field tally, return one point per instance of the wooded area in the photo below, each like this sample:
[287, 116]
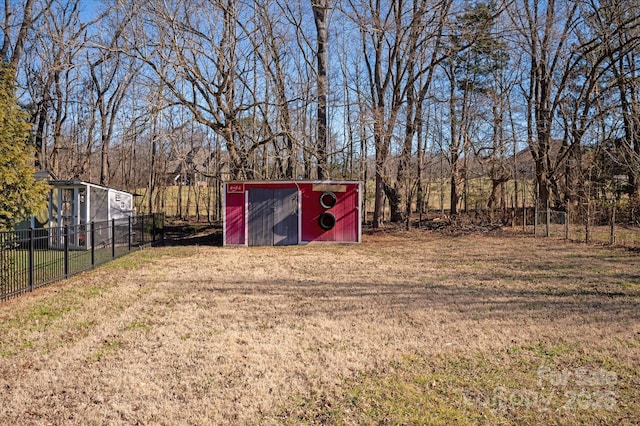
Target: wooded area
[536, 99]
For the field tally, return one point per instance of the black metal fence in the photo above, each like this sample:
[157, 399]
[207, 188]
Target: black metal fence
[33, 258]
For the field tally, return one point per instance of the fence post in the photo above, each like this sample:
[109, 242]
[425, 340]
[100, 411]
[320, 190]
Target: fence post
[65, 237]
[129, 232]
[566, 225]
[153, 228]
[587, 230]
[4, 273]
[524, 205]
[142, 230]
[548, 224]
[113, 238]
[31, 259]
[612, 236]
[93, 244]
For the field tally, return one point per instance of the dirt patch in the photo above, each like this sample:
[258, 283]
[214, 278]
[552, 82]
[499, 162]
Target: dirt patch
[183, 233]
[322, 333]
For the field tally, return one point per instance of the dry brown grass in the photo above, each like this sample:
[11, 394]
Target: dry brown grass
[408, 327]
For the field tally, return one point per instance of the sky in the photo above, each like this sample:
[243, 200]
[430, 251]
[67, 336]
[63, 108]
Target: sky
[90, 9]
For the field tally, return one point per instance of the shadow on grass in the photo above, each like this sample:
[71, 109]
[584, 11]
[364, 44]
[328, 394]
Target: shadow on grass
[474, 301]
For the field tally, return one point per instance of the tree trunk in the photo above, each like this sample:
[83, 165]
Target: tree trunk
[320, 17]
[13, 58]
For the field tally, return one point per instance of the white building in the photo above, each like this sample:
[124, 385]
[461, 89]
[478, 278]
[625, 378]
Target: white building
[76, 204]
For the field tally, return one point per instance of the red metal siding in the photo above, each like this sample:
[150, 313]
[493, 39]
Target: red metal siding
[234, 218]
[346, 210]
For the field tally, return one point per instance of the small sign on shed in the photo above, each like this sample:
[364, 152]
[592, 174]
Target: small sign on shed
[278, 213]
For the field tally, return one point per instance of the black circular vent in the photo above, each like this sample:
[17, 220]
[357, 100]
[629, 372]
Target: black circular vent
[327, 221]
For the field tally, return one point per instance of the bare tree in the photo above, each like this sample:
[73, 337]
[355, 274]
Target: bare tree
[545, 32]
[193, 48]
[19, 22]
[24, 18]
[51, 75]
[615, 28]
[111, 73]
[425, 50]
[401, 44]
[382, 49]
[273, 48]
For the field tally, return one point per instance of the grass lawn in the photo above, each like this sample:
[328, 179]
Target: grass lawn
[405, 328]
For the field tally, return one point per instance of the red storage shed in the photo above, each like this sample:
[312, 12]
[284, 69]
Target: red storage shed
[287, 213]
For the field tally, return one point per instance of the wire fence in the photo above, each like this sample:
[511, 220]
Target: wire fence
[595, 223]
[606, 224]
[33, 258]
[550, 223]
